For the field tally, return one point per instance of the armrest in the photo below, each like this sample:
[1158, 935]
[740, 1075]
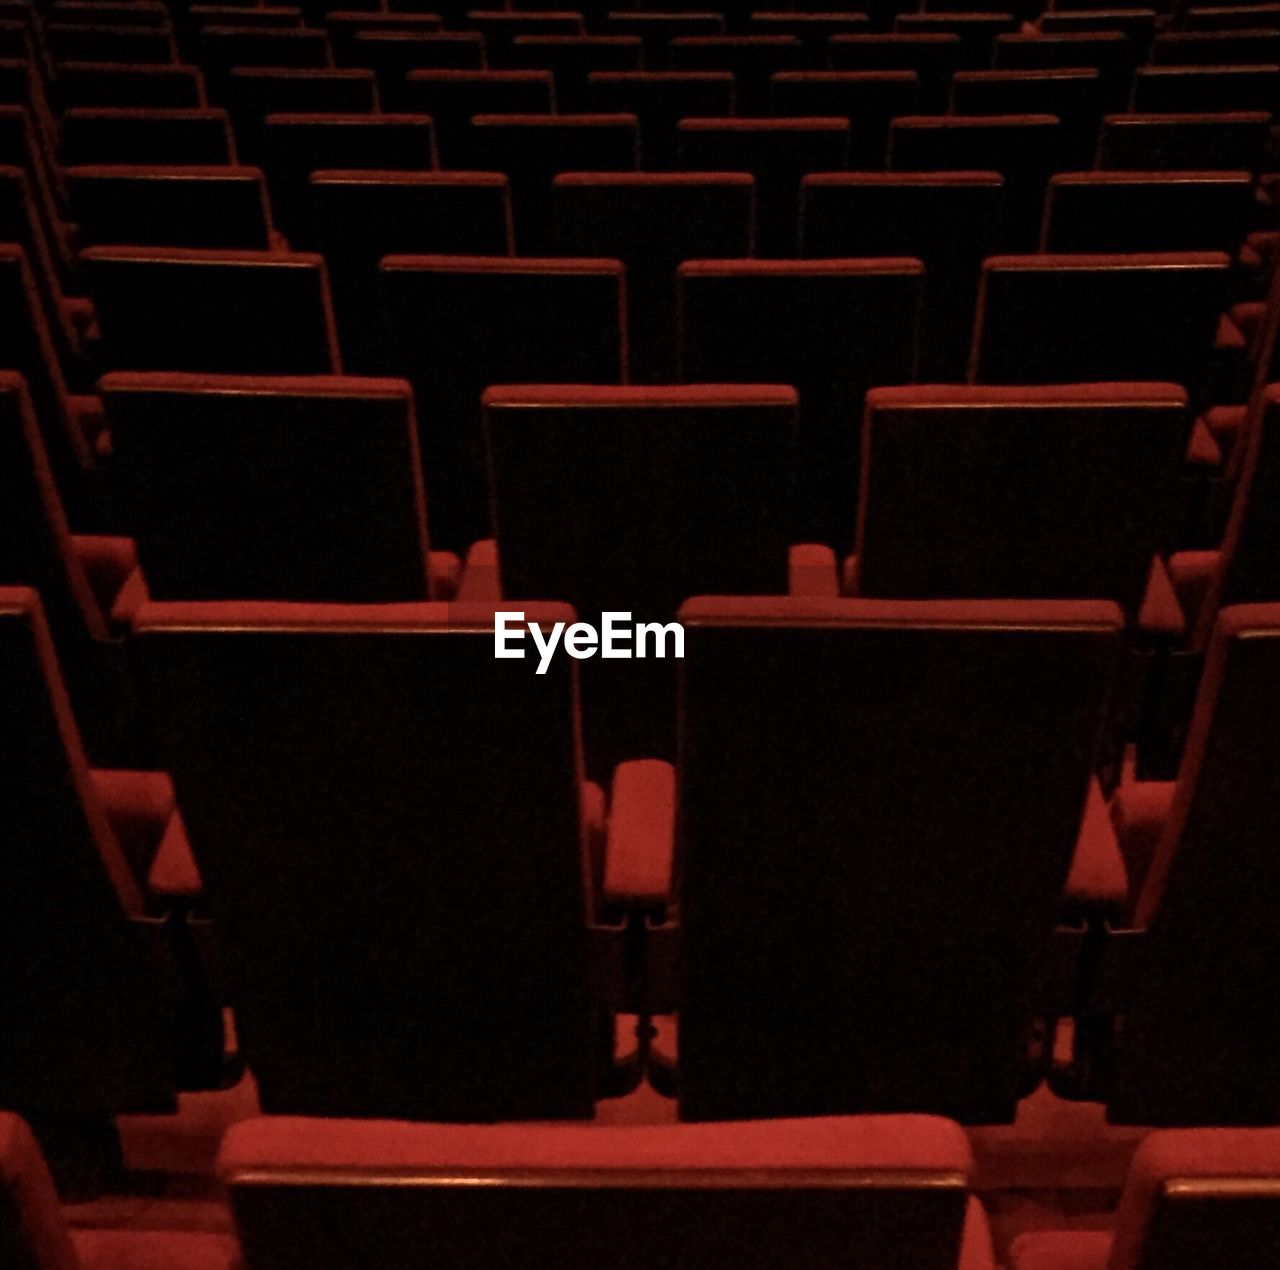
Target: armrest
[138, 806]
[133, 595]
[443, 571]
[107, 562]
[1229, 338]
[1191, 574]
[1203, 449]
[88, 416]
[1098, 879]
[641, 835]
[1248, 318]
[480, 577]
[1139, 810]
[1160, 614]
[173, 875]
[849, 576]
[812, 571]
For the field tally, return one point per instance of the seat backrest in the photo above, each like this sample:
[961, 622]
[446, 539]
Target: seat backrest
[1216, 48]
[197, 136]
[1078, 318]
[34, 1235]
[1074, 95]
[1201, 1197]
[933, 56]
[1205, 88]
[833, 329]
[870, 100]
[166, 309]
[1147, 211]
[103, 42]
[384, 813]
[1109, 52]
[751, 59]
[1241, 17]
[86, 1025]
[120, 86]
[1184, 142]
[861, 925]
[254, 92]
[393, 54]
[259, 488]
[1195, 1049]
[170, 206]
[976, 31]
[571, 58]
[452, 97]
[344, 25]
[1084, 480]
[659, 100]
[657, 29]
[863, 1191]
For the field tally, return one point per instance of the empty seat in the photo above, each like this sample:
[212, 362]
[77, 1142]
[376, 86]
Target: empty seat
[83, 42]
[934, 57]
[1073, 95]
[254, 92]
[693, 1195]
[1219, 142]
[1084, 479]
[1138, 25]
[1108, 52]
[1063, 319]
[294, 146]
[94, 995]
[926, 745]
[949, 220]
[111, 85]
[657, 29]
[1244, 17]
[219, 48]
[571, 58]
[1193, 1198]
[652, 222]
[359, 217]
[1171, 89]
[659, 100]
[632, 500]
[812, 27]
[831, 328]
[170, 206]
[533, 149]
[431, 871]
[976, 31]
[452, 98]
[394, 54]
[198, 136]
[499, 27]
[1216, 48]
[1147, 211]
[778, 153]
[240, 312]
[99, 13]
[870, 100]
[460, 324]
[344, 25]
[751, 59]
[247, 488]
[1024, 149]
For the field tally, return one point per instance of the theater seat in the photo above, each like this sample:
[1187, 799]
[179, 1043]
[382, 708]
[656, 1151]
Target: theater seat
[933, 56]
[198, 136]
[659, 100]
[114, 86]
[1187, 142]
[870, 100]
[1194, 1198]
[254, 92]
[871, 1191]
[452, 97]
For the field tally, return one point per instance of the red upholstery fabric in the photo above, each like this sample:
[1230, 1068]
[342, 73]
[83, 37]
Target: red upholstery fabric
[1097, 878]
[26, 1179]
[1061, 1250]
[642, 819]
[155, 1250]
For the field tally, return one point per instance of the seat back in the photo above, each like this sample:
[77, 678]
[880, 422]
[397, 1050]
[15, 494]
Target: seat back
[452, 97]
[1083, 479]
[393, 54]
[1108, 52]
[752, 59]
[254, 92]
[120, 86]
[870, 100]
[861, 926]
[387, 822]
[1216, 48]
[864, 1191]
[659, 100]
[1205, 88]
[33, 1232]
[1228, 142]
[1073, 95]
[218, 49]
[259, 488]
[1196, 1044]
[657, 29]
[87, 1020]
[166, 309]
[572, 58]
[103, 42]
[977, 31]
[933, 56]
[199, 136]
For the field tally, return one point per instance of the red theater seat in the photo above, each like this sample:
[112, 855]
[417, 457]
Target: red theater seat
[976, 30]
[573, 58]
[220, 48]
[870, 100]
[1110, 53]
[1076, 96]
[187, 137]
[114, 86]
[751, 59]
[254, 92]
[1217, 142]
[934, 57]
[659, 100]
[344, 25]
[1186, 89]
[103, 42]
[451, 98]
[1216, 48]
[656, 29]
[393, 54]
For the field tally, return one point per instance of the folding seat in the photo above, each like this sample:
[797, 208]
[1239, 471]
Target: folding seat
[1076, 318]
[659, 100]
[394, 54]
[1216, 48]
[186, 137]
[948, 220]
[101, 1016]
[934, 57]
[34, 1233]
[112, 85]
[1196, 1197]
[1083, 478]
[453, 98]
[429, 838]
[572, 58]
[254, 92]
[976, 31]
[132, 45]
[344, 25]
[98, 13]
[870, 100]
[170, 206]
[219, 48]
[461, 323]
[1186, 89]
[294, 146]
[831, 328]
[499, 28]
[1075, 96]
[652, 222]
[533, 149]
[686, 1195]
[1139, 25]
[657, 29]
[1024, 149]
[359, 217]
[1196, 892]
[256, 487]
[751, 59]
[813, 28]
[778, 153]
[240, 312]
[928, 743]
[1147, 211]
[1229, 142]
[1233, 18]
